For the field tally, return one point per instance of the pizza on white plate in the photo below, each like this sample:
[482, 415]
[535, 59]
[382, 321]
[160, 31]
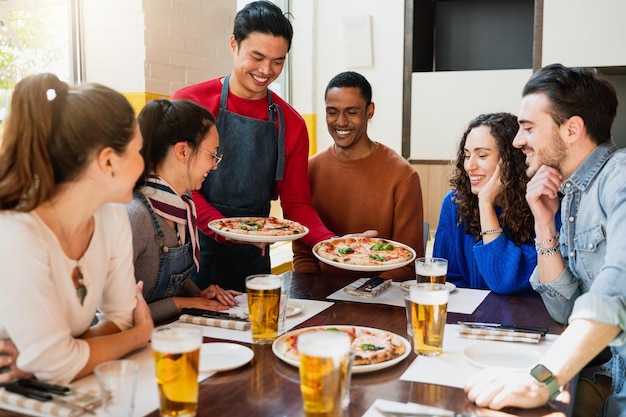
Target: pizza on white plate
[363, 251]
[370, 346]
[258, 226]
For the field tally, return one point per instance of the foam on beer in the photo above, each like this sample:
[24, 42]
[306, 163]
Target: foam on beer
[264, 283]
[170, 341]
[430, 269]
[325, 344]
[420, 296]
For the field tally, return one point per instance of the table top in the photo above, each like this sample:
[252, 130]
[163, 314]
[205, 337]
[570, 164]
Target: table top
[269, 387]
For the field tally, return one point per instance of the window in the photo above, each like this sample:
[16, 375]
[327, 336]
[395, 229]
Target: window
[35, 37]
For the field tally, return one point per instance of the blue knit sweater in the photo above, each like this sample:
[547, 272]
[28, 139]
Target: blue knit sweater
[500, 265]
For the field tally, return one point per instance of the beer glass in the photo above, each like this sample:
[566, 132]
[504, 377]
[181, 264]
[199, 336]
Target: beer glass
[264, 306]
[176, 352]
[428, 315]
[324, 372]
[432, 270]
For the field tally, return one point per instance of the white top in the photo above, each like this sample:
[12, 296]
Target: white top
[39, 309]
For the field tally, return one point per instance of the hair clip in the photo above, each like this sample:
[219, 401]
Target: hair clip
[51, 94]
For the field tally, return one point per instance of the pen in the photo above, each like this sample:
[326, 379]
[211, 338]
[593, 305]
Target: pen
[28, 392]
[528, 329]
[214, 314]
[44, 386]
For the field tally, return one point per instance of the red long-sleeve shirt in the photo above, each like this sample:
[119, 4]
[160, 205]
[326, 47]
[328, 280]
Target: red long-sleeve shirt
[294, 190]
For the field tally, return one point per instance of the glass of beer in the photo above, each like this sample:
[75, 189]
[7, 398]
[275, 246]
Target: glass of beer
[432, 270]
[428, 314]
[176, 352]
[264, 306]
[324, 372]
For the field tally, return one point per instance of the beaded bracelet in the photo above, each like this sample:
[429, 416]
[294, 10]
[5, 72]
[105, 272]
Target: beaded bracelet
[488, 232]
[545, 242]
[547, 251]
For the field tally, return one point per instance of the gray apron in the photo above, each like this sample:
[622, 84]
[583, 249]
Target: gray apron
[244, 185]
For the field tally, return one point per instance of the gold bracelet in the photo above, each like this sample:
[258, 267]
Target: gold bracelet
[488, 232]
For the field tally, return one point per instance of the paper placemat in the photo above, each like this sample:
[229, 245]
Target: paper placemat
[394, 406]
[146, 394]
[451, 368]
[311, 308]
[462, 300]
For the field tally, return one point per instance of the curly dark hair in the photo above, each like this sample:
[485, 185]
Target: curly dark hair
[516, 218]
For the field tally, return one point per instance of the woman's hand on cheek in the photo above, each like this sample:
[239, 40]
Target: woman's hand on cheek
[493, 188]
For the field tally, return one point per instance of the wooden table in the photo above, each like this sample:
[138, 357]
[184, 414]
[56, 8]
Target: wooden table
[269, 387]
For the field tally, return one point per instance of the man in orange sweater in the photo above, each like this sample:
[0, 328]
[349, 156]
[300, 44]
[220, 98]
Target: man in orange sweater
[360, 184]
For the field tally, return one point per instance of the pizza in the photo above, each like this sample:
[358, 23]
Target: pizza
[258, 226]
[370, 346]
[363, 251]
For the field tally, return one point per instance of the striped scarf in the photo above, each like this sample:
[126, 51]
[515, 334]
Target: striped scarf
[179, 209]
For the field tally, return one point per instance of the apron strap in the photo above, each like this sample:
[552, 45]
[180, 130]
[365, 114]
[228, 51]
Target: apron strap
[280, 160]
[159, 238]
[224, 95]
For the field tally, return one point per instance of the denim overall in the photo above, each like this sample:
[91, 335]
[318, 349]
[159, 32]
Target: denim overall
[175, 264]
[244, 185]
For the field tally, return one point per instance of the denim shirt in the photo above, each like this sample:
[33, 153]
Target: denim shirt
[593, 244]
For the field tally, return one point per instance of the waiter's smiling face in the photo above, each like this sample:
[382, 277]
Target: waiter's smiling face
[257, 61]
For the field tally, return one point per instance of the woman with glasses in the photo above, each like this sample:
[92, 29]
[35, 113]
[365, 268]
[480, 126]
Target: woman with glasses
[180, 149]
[68, 152]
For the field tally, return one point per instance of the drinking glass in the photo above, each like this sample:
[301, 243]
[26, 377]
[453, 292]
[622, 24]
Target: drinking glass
[285, 289]
[117, 380]
[324, 372]
[428, 315]
[264, 306]
[409, 321]
[432, 270]
[176, 352]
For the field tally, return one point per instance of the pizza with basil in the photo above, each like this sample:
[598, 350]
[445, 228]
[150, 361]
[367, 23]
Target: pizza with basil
[258, 226]
[369, 346]
[363, 251]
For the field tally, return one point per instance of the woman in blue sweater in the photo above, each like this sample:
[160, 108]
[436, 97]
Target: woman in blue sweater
[485, 226]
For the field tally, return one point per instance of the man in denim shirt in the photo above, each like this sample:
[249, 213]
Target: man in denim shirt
[565, 132]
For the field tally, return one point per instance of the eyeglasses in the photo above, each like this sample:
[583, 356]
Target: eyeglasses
[216, 158]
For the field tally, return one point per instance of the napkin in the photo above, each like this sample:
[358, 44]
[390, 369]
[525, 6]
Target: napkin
[79, 398]
[503, 335]
[205, 321]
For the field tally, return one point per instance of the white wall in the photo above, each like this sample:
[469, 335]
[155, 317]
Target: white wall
[186, 42]
[584, 33]
[156, 46]
[114, 51]
[444, 102]
[324, 55]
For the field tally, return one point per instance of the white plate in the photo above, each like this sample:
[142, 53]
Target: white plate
[406, 285]
[223, 356]
[255, 238]
[364, 268]
[278, 348]
[294, 308]
[506, 355]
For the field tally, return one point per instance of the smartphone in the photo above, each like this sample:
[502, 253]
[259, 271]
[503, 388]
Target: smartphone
[370, 288]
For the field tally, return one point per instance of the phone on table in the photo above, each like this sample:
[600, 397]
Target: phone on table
[370, 288]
